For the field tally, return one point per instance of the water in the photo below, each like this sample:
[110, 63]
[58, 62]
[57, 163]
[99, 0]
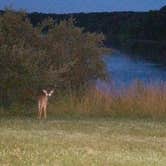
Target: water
[124, 71]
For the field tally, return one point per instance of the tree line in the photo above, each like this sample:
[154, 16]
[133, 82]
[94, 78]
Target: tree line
[117, 26]
[142, 33]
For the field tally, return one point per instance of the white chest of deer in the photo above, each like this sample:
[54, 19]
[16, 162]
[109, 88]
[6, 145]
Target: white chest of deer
[43, 102]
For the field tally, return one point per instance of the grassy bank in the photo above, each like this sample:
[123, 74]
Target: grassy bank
[117, 129]
[135, 102]
[115, 142]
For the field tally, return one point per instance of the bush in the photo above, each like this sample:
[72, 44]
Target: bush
[49, 54]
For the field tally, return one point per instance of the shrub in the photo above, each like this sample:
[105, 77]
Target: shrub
[49, 54]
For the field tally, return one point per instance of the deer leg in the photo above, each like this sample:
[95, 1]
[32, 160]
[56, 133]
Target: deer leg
[45, 112]
[39, 111]
[40, 114]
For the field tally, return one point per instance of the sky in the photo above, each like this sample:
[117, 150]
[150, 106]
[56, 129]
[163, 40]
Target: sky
[75, 6]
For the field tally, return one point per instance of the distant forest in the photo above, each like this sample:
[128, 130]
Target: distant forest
[138, 33]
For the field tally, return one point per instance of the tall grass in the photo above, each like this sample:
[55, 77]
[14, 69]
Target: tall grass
[137, 101]
[141, 101]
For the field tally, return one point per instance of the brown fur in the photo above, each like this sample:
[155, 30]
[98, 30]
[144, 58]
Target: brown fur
[42, 103]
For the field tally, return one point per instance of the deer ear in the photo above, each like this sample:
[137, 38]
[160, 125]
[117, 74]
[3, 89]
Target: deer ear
[44, 91]
[51, 92]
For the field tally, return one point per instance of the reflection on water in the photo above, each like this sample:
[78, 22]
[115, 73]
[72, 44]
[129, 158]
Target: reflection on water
[123, 71]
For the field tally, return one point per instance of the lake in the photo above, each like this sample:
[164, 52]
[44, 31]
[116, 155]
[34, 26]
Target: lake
[124, 71]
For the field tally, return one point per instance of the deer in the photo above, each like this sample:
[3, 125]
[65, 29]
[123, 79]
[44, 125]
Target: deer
[43, 102]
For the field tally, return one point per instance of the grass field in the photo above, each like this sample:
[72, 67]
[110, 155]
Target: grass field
[86, 141]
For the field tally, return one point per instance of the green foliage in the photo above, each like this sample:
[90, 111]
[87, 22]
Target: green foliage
[49, 54]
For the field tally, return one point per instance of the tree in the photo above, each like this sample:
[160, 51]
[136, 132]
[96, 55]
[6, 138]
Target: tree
[32, 58]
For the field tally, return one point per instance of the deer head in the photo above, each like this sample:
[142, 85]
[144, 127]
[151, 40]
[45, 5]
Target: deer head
[48, 93]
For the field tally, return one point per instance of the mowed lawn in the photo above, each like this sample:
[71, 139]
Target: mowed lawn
[74, 142]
